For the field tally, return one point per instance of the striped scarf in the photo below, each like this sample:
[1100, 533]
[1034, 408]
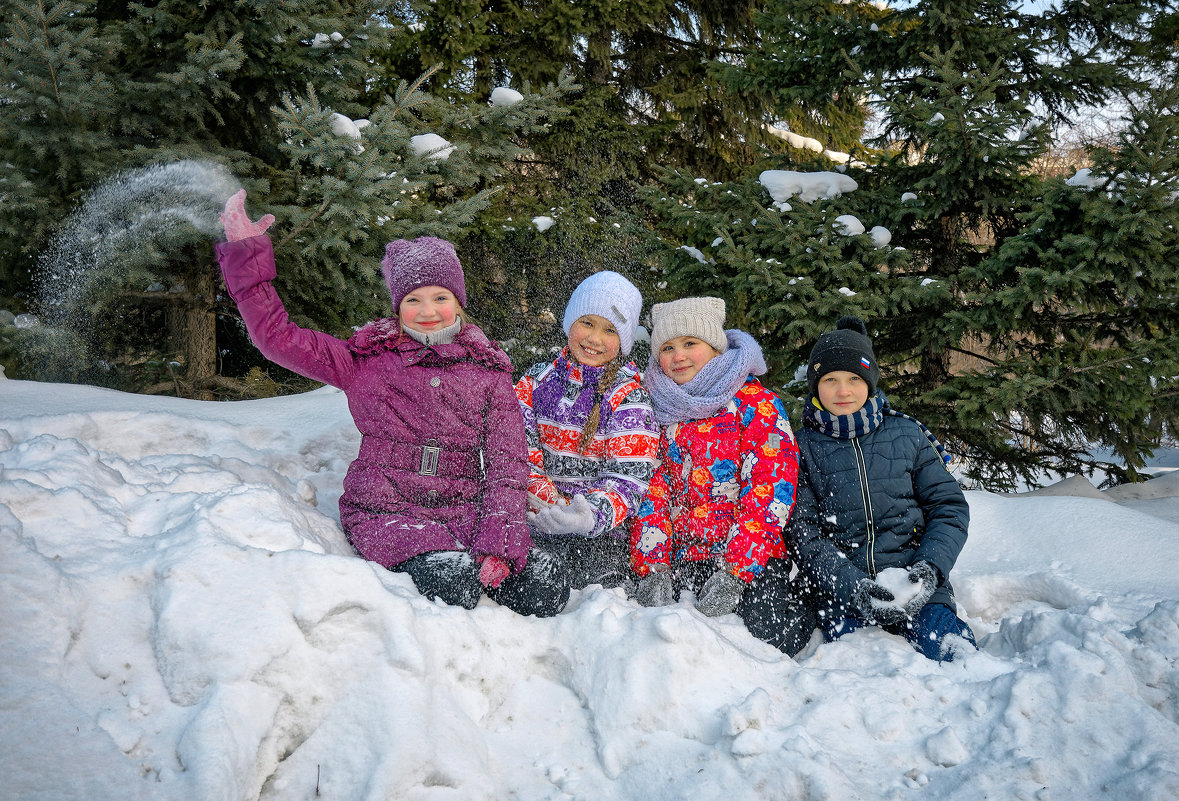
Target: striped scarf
[863, 421]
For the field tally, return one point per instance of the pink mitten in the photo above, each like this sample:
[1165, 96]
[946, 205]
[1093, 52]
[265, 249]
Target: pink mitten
[492, 571]
[237, 224]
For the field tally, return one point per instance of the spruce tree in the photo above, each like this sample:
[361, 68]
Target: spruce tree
[177, 81]
[966, 97]
[272, 92]
[644, 68]
[647, 98]
[1082, 305]
[57, 102]
[354, 195]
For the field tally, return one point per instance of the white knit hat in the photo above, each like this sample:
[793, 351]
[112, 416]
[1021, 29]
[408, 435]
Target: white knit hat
[703, 318]
[609, 295]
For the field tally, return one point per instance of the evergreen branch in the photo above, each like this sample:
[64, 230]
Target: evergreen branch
[972, 354]
[411, 95]
[185, 387]
[685, 45]
[776, 219]
[301, 227]
[425, 76]
[327, 203]
[1103, 365]
[45, 31]
[292, 112]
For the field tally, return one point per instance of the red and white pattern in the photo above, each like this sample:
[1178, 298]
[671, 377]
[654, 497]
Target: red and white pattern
[556, 399]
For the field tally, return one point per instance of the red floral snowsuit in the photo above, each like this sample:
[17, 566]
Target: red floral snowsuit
[724, 488]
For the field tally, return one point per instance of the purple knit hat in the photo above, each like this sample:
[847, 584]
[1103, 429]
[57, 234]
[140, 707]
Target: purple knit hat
[426, 261]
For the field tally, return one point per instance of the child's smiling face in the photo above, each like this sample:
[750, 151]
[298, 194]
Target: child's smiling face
[681, 358]
[428, 309]
[593, 340]
[841, 392]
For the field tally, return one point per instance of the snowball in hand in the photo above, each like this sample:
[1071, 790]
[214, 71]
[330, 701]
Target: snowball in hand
[896, 581]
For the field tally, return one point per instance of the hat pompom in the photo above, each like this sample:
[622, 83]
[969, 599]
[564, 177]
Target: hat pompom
[849, 322]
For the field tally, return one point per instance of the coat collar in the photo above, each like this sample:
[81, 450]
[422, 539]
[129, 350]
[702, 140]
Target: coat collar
[471, 344]
[579, 373]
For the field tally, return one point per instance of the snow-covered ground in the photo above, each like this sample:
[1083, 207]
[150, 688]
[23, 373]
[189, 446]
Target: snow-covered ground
[181, 618]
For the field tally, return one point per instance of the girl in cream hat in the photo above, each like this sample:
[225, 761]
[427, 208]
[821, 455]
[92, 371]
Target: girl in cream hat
[712, 520]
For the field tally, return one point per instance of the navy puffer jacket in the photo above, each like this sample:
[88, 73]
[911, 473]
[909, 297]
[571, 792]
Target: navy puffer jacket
[881, 500]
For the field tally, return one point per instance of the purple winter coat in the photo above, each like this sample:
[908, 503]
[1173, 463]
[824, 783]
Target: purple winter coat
[450, 406]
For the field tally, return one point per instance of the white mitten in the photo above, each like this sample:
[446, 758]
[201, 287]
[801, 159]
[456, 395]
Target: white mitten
[576, 518]
[536, 503]
[582, 517]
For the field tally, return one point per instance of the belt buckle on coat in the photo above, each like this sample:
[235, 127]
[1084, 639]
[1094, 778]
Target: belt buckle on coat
[430, 454]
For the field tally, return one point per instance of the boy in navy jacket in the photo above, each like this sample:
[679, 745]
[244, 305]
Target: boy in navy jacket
[879, 521]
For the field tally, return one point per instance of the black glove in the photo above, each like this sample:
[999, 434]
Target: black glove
[656, 589]
[925, 574]
[720, 594]
[862, 599]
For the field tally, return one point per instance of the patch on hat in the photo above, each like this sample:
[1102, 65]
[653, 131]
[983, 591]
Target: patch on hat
[867, 365]
[621, 316]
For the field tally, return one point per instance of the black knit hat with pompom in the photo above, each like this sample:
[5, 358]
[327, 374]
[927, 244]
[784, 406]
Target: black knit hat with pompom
[846, 348]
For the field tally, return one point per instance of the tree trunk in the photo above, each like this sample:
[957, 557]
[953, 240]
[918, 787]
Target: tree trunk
[599, 68]
[934, 369]
[192, 332]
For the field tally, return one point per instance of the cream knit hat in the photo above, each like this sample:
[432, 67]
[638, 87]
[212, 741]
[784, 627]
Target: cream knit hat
[703, 318]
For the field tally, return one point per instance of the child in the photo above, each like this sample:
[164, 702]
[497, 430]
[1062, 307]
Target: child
[875, 493]
[591, 435]
[437, 490]
[713, 517]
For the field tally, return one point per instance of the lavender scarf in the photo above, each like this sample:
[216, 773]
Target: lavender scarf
[711, 389]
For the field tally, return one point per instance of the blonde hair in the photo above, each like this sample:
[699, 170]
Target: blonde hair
[595, 416]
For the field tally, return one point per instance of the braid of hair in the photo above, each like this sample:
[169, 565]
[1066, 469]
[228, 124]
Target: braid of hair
[595, 415]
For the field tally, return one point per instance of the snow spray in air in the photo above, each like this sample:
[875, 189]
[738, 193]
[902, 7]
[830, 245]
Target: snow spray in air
[132, 212]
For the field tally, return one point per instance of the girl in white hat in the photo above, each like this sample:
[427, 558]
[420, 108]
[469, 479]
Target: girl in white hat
[591, 434]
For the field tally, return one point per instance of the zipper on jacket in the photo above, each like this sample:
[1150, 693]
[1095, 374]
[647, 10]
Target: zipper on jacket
[866, 498]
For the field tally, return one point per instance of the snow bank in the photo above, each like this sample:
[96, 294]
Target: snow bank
[183, 619]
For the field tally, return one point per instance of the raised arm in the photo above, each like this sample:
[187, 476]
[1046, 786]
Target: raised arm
[247, 265]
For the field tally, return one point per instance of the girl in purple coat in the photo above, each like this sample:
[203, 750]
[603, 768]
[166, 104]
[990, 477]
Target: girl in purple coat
[438, 488]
